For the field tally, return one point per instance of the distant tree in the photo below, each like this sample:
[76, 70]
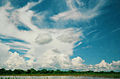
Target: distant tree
[58, 71]
[2, 71]
[111, 71]
[90, 71]
[50, 71]
[71, 71]
[44, 71]
[102, 72]
[31, 71]
[18, 71]
[9, 72]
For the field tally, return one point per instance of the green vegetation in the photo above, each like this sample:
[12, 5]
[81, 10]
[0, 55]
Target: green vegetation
[44, 72]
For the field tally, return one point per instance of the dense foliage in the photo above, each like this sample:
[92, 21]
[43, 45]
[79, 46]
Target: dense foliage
[50, 72]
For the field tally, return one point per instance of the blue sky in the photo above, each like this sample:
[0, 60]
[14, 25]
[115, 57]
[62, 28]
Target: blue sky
[103, 40]
[83, 32]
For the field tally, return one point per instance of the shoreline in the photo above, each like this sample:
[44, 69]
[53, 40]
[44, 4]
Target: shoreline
[85, 75]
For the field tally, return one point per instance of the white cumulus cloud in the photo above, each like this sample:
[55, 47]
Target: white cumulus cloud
[3, 54]
[15, 62]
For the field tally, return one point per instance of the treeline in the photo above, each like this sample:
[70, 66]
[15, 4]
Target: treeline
[49, 72]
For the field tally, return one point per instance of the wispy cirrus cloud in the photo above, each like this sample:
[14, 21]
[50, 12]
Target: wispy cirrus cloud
[75, 13]
[115, 30]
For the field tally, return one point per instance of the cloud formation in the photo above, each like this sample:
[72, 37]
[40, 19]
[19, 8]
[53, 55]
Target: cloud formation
[43, 38]
[48, 47]
[4, 54]
[75, 13]
[15, 61]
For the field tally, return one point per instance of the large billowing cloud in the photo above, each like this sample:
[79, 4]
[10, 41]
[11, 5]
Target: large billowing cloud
[44, 47]
[15, 62]
[3, 54]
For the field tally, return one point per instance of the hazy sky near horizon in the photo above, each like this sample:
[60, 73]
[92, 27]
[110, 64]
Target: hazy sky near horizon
[60, 34]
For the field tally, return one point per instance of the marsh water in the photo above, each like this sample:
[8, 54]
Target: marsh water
[52, 77]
